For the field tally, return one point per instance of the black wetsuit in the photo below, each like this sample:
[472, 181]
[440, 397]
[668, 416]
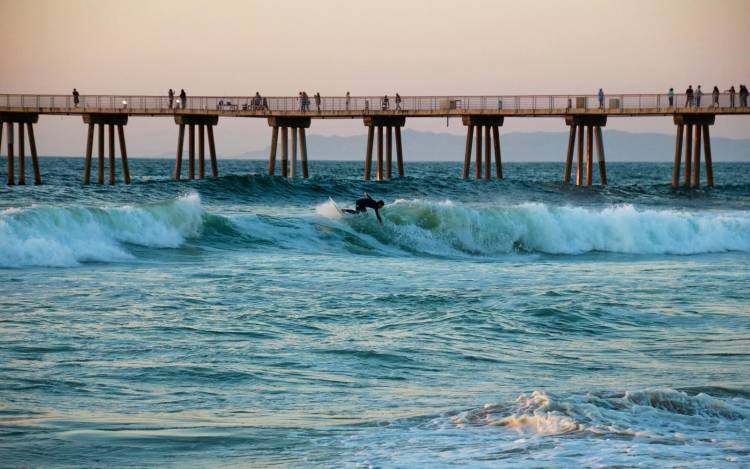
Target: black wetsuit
[363, 204]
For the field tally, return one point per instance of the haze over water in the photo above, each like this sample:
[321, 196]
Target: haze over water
[243, 321]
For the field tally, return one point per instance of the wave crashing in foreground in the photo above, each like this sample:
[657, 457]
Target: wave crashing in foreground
[68, 236]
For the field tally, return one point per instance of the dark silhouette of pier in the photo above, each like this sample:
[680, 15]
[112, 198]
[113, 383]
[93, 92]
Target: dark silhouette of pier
[483, 116]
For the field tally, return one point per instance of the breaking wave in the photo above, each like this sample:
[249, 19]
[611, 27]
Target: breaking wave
[67, 236]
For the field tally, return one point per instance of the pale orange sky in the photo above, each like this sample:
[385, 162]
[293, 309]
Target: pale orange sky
[331, 46]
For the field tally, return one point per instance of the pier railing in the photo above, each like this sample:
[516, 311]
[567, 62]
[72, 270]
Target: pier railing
[366, 104]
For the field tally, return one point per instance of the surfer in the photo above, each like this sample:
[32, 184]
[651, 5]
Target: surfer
[361, 206]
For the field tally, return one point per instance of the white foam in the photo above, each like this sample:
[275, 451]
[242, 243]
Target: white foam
[446, 228]
[67, 236]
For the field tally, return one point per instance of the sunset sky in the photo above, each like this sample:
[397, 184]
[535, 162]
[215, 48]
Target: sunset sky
[412, 47]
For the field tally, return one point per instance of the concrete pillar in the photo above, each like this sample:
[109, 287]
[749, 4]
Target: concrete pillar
[600, 156]
[677, 156]
[368, 151]
[34, 157]
[100, 161]
[697, 157]
[272, 154]
[303, 151]
[178, 157]
[399, 153]
[11, 169]
[388, 151]
[498, 156]
[478, 154]
[201, 150]
[379, 167]
[284, 151]
[487, 153]
[123, 154]
[688, 154]
[569, 155]
[579, 161]
[191, 151]
[469, 144]
[89, 152]
[111, 134]
[707, 152]
[21, 156]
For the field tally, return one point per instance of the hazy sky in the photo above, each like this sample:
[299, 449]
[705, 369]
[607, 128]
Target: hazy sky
[413, 47]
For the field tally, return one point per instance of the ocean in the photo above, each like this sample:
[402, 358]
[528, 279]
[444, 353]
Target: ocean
[241, 321]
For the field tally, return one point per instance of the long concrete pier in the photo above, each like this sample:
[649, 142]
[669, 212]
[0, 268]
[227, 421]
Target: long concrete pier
[483, 117]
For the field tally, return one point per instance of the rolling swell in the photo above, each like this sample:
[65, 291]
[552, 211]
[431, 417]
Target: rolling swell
[67, 236]
[450, 229]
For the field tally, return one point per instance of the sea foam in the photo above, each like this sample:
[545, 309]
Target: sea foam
[67, 236]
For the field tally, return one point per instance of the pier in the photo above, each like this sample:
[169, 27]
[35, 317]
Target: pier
[483, 117]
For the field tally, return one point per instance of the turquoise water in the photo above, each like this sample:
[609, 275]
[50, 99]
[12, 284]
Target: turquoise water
[242, 321]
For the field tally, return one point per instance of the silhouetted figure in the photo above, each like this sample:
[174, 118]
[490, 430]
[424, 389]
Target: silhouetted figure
[170, 95]
[398, 102]
[743, 95]
[361, 206]
[689, 96]
[601, 99]
[731, 96]
[306, 100]
[76, 98]
[348, 98]
[715, 96]
[257, 101]
[183, 98]
[698, 95]
[670, 95]
[385, 104]
[317, 101]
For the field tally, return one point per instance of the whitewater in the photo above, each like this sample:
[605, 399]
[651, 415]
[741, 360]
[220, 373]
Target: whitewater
[243, 321]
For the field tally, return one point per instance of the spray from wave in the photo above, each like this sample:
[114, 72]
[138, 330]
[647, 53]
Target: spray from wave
[67, 236]
[448, 229]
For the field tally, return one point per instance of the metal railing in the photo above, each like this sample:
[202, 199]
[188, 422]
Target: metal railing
[374, 104]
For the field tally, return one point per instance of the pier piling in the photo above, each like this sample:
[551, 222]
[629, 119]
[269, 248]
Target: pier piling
[11, 169]
[111, 121]
[592, 124]
[375, 126]
[203, 121]
[297, 125]
[485, 129]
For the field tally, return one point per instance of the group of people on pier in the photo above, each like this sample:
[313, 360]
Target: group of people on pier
[693, 97]
[181, 103]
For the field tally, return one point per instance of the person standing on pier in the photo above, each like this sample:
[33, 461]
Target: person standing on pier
[715, 96]
[348, 98]
[698, 95]
[317, 101]
[743, 95]
[731, 95]
[671, 97]
[171, 97]
[398, 102]
[385, 104]
[601, 99]
[689, 96]
[183, 98]
[76, 99]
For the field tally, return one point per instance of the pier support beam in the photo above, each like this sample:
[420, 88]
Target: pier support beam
[478, 125]
[697, 129]
[24, 123]
[375, 125]
[111, 121]
[297, 126]
[593, 132]
[203, 122]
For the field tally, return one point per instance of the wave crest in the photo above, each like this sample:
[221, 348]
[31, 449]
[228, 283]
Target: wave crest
[67, 236]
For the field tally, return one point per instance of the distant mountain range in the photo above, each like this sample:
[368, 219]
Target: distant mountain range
[517, 147]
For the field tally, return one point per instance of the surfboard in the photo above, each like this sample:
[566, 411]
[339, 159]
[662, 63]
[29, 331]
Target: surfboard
[335, 206]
